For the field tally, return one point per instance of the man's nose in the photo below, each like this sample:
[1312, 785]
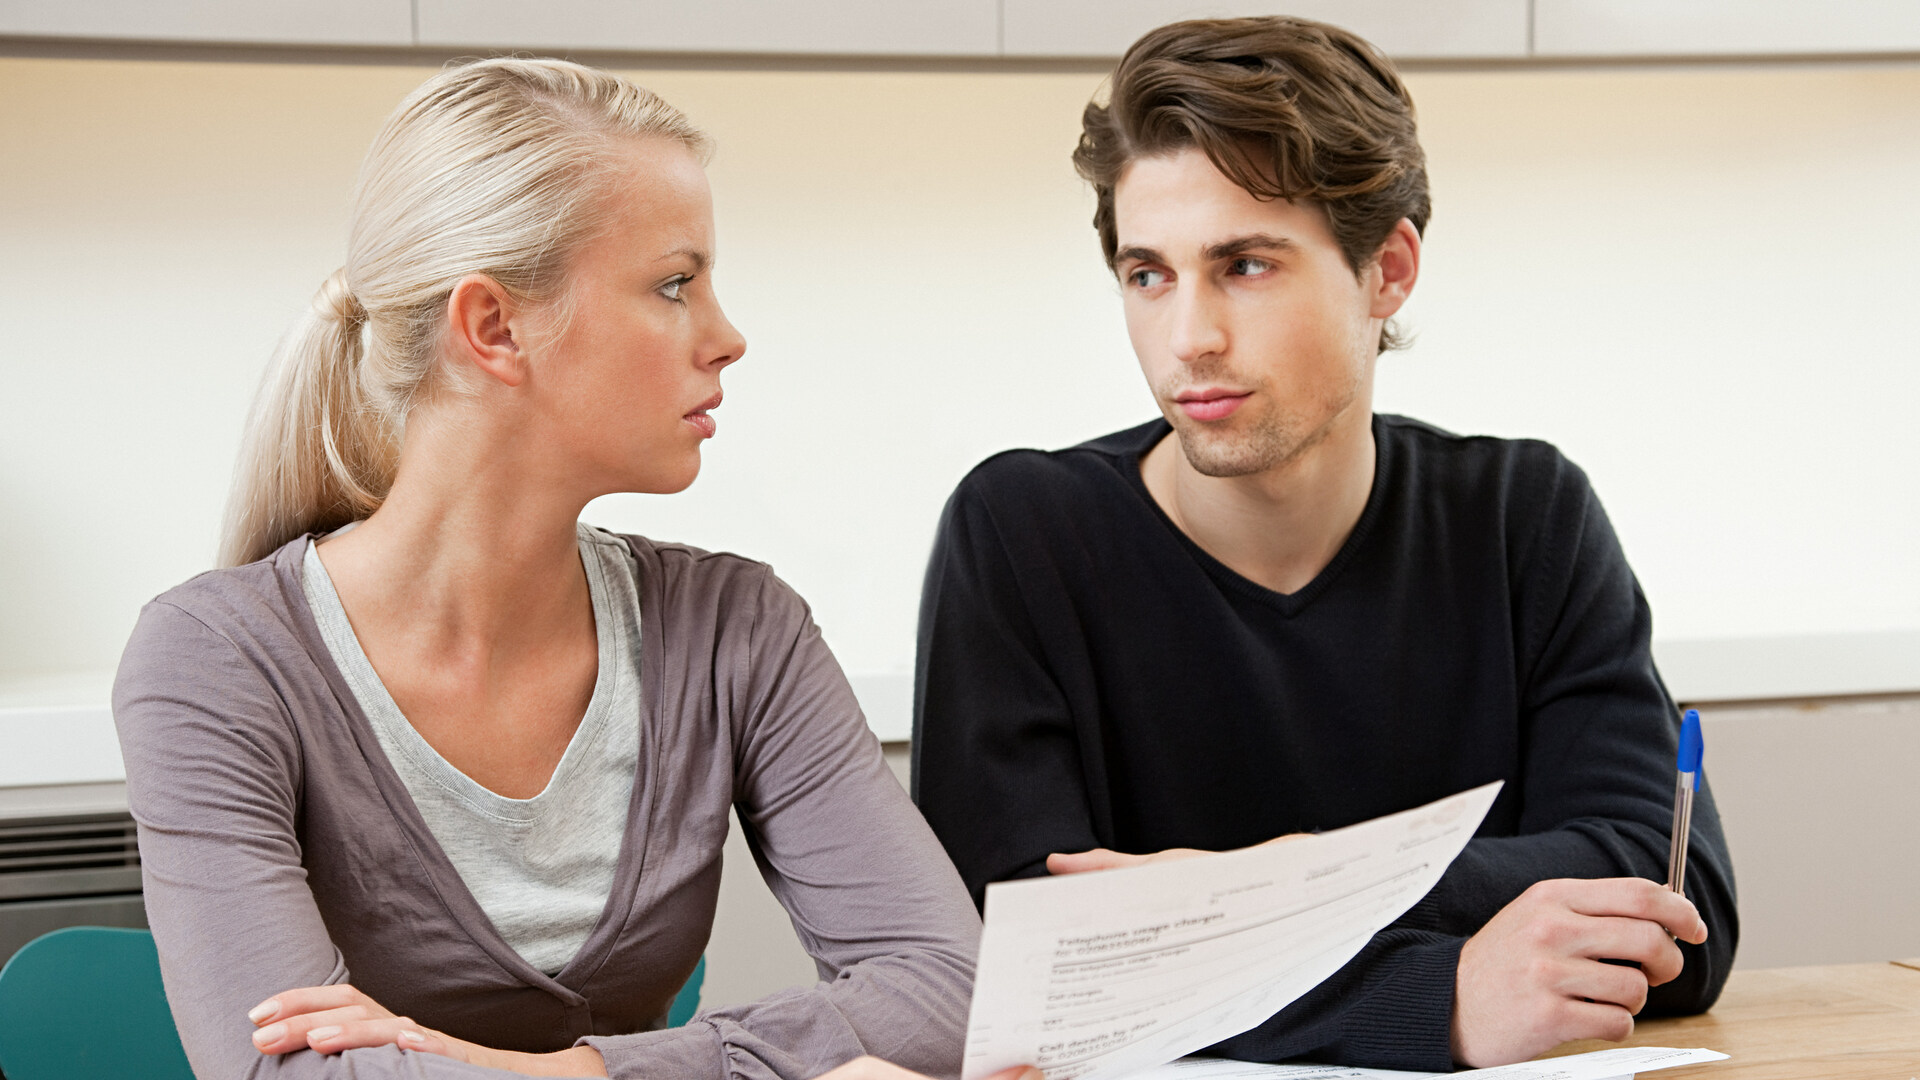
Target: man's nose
[1197, 330]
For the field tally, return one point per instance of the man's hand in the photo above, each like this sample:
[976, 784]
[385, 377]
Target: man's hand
[1079, 862]
[1534, 976]
[330, 1019]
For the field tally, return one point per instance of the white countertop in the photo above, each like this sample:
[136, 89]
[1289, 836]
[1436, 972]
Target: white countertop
[57, 729]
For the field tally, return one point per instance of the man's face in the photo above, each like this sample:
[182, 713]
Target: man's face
[1253, 332]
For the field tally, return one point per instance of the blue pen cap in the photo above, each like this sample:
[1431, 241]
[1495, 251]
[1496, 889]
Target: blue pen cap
[1692, 747]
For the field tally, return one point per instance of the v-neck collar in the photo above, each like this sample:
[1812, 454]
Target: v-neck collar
[447, 884]
[1286, 604]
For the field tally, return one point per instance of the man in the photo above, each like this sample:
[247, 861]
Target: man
[1273, 611]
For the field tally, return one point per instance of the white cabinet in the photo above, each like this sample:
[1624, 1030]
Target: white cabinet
[249, 22]
[1465, 29]
[819, 27]
[1628, 28]
[986, 29]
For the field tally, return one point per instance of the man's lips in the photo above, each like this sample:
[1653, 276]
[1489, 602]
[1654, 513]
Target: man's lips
[1212, 403]
[701, 421]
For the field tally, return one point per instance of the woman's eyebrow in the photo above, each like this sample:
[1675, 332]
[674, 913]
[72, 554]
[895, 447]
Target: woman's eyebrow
[698, 256]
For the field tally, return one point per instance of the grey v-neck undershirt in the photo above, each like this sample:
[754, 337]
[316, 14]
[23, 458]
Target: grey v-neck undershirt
[540, 868]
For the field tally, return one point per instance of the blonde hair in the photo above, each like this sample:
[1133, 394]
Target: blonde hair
[494, 167]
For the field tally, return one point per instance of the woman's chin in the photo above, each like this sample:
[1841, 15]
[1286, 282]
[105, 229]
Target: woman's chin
[667, 481]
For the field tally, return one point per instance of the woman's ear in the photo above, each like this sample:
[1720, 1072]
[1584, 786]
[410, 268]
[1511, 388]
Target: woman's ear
[1397, 267]
[482, 320]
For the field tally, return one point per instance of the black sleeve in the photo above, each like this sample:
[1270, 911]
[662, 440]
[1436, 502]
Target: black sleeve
[1600, 734]
[996, 761]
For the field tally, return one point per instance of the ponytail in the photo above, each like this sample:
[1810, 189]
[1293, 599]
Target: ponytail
[494, 167]
[316, 454]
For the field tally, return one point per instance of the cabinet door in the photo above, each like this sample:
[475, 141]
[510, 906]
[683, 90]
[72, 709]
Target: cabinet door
[1724, 27]
[1401, 28]
[280, 22]
[820, 27]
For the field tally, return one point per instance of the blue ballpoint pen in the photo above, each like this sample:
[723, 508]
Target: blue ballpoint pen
[1688, 781]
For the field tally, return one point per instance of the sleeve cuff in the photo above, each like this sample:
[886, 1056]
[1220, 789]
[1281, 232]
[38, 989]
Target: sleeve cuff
[693, 1052]
[1390, 1008]
[1404, 1020]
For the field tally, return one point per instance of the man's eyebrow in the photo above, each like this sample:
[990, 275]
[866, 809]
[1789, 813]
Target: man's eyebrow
[1137, 254]
[1226, 249]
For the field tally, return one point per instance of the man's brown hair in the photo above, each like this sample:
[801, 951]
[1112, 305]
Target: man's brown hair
[1286, 108]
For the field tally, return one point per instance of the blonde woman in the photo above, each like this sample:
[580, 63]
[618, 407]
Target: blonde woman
[433, 779]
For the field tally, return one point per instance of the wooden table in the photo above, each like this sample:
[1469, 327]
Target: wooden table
[1843, 1022]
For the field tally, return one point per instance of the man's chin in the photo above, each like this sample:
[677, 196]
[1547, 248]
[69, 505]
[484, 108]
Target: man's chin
[1217, 453]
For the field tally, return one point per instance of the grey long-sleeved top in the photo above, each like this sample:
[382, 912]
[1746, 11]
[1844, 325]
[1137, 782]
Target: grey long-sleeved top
[281, 850]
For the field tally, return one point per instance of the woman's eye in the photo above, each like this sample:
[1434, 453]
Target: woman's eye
[1249, 267]
[1146, 279]
[671, 290]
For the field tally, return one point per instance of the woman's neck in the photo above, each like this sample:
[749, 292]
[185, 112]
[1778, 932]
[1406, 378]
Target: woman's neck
[467, 555]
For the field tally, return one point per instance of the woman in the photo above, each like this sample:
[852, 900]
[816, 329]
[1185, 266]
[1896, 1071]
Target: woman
[432, 777]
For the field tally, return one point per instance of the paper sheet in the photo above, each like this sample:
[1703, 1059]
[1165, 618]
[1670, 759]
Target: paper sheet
[1617, 1064]
[1096, 976]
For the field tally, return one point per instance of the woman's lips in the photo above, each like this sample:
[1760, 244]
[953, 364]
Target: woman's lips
[1211, 405]
[701, 421]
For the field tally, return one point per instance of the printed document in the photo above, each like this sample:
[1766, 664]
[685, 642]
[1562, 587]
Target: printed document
[1096, 976]
[1620, 1063]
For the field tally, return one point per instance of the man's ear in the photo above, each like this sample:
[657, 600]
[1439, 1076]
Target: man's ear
[1396, 268]
[481, 319]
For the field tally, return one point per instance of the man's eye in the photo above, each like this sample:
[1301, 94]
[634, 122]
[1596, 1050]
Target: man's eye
[1249, 267]
[1146, 279]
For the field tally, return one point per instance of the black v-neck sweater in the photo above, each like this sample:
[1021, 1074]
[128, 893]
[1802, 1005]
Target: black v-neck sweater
[1090, 677]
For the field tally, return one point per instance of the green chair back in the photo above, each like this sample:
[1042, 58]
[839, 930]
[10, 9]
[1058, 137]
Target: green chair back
[687, 1001]
[86, 1001]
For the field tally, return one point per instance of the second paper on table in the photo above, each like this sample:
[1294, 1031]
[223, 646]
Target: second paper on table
[1094, 976]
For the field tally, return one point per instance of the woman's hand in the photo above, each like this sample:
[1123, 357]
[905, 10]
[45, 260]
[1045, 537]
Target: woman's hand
[872, 1068]
[329, 1019]
[1080, 862]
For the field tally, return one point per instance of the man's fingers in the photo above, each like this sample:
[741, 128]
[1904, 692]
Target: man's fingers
[1594, 1020]
[1079, 862]
[1644, 943]
[1633, 898]
[1289, 837]
[1605, 984]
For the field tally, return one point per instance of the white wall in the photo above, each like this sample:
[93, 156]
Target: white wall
[1694, 280]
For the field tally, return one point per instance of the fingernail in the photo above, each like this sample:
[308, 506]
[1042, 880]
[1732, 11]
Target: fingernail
[412, 1037]
[322, 1034]
[271, 1034]
[264, 1010]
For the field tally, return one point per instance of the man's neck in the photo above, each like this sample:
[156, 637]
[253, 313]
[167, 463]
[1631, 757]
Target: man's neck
[1280, 527]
